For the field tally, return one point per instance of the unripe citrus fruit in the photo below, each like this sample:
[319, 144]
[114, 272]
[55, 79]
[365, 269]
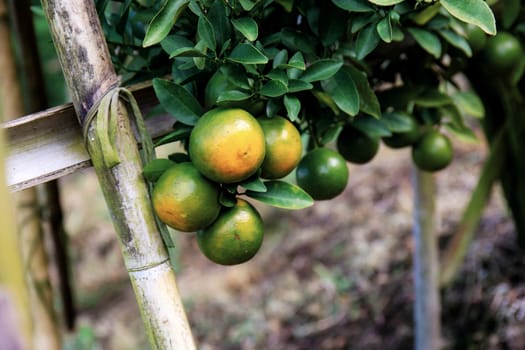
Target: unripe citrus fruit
[322, 173]
[476, 37]
[503, 51]
[432, 152]
[235, 237]
[227, 145]
[184, 199]
[283, 147]
[356, 146]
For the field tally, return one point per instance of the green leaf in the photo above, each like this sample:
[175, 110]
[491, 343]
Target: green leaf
[280, 58]
[218, 15]
[368, 102]
[174, 42]
[187, 52]
[297, 61]
[371, 126]
[354, 5]
[247, 27]
[233, 95]
[367, 40]
[246, 53]
[155, 168]
[254, 183]
[180, 133]
[427, 40]
[200, 61]
[163, 21]
[236, 75]
[326, 100]
[278, 74]
[206, 32]
[177, 101]
[457, 41]
[331, 22]
[397, 121]
[293, 106]
[286, 4]
[342, 89]
[463, 133]
[273, 88]
[283, 195]
[432, 98]
[384, 29]
[476, 12]
[385, 2]
[247, 5]
[469, 103]
[296, 85]
[298, 41]
[510, 12]
[321, 70]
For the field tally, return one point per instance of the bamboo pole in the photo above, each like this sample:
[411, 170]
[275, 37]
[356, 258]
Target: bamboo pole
[45, 334]
[48, 194]
[89, 74]
[427, 305]
[12, 279]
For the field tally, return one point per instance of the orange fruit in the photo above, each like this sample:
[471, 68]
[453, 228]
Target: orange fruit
[432, 152]
[227, 145]
[235, 237]
[503, 51]
[184, 199]
[322, 173]
[283, 147]
[356, 146]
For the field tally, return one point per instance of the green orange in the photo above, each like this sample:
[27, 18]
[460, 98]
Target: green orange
[432, 152]
[503, 51]
[283, 147]
[356, 146]
[184, 199]
[322, 173]
[235, 237]
[227, 145]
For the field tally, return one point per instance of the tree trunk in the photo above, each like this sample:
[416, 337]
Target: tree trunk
[427, 306]
[89, 74]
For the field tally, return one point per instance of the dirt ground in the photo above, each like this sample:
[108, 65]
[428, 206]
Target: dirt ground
[333, 276]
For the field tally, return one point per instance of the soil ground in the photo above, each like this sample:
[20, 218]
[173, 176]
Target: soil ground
[333, 276]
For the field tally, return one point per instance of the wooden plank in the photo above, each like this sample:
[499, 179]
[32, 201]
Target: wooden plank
[48, 145]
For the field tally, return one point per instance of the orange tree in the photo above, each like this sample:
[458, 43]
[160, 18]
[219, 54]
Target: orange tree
[346, 74]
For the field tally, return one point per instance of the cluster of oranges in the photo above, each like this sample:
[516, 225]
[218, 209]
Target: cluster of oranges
[228, 146]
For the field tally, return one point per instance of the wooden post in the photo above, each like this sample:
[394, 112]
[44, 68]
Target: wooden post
[427, 306]
[14, 293]
[87, 67]
[51, 216]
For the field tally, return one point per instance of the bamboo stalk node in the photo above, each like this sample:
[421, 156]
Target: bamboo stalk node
[149, 266]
